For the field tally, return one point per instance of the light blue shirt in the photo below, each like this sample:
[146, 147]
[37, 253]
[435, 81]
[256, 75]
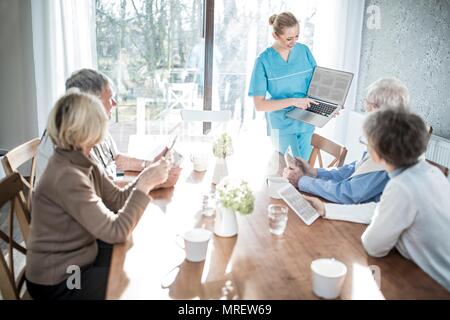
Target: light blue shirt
[339, 186]
[276, 79]
[414, 216]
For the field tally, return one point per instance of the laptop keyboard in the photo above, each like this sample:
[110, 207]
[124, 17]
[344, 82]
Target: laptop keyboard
[322, 109]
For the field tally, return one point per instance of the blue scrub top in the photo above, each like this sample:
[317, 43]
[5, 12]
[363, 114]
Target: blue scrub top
[277, 79]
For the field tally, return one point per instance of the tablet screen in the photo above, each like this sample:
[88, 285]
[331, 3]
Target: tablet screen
[298, 204]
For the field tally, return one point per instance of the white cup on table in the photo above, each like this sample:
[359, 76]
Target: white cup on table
[275, 184]
[196, 244]
[199, 161]
[328, 276]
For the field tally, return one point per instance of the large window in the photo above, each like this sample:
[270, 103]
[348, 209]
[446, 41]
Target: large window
[241, 32]
[154, 51]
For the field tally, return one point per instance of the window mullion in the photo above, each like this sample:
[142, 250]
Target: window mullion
[209, 52]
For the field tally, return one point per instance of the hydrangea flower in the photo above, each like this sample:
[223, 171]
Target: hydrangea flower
[236, 195]
[223, 146]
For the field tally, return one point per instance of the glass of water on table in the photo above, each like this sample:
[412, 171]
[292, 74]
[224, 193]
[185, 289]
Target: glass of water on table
[278, 215]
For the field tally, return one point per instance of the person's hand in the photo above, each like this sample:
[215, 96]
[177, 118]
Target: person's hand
[161, 154]
[317, 204]
[172, 178]
[293, 175]
[336, 114]
[303, 103]
[166, 153]
[153, 175]
[305, 167]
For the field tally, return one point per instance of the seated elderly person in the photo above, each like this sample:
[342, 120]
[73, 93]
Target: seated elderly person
[105, 153]
[76, 206]
[357, 182]
[413, 214]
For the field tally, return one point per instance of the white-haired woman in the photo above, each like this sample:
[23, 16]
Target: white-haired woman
[357, 182]
[75, 204]
[412, 215]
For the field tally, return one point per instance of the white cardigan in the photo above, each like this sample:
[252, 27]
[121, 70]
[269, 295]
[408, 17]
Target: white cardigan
[413, 215]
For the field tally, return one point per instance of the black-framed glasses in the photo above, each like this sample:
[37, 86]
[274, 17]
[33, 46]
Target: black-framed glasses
[363, 140]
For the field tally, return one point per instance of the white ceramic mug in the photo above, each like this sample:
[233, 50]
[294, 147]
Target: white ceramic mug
[275, 184]
[199, 161]
[328, 276]
[196, 244]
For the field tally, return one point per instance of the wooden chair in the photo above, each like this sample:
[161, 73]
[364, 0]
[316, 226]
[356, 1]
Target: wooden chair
[17, 157]
[319, 143]
[10, 189]
[444, 169]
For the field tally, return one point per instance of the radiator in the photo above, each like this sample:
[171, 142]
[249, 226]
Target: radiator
[439, 151]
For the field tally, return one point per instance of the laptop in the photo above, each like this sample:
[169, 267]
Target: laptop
[329, 88]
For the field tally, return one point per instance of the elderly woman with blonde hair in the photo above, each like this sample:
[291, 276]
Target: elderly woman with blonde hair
[77, 210]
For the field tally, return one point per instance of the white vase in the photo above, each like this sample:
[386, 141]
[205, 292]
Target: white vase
[226, 222]
[220, 170]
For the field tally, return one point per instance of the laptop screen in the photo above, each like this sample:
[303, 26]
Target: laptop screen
[330, 85]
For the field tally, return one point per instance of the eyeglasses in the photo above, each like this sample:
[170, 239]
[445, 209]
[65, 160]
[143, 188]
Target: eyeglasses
[363, 140]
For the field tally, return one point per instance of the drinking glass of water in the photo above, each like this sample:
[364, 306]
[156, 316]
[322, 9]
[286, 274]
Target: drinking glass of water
[277, 218]
[209, 204]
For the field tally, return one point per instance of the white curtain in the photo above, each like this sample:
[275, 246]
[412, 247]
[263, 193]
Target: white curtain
[63, 41]
[337, 44]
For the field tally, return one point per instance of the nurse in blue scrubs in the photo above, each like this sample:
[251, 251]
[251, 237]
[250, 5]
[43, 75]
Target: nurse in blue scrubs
[279, 83]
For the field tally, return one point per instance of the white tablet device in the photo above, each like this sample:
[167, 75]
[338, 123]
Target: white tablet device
[298, 204]
[177, 158]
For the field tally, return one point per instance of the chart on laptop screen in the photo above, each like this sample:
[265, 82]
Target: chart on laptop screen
[330, 85]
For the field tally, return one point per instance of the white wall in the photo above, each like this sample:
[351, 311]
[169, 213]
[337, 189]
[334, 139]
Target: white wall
[353, 133]
[18, 116]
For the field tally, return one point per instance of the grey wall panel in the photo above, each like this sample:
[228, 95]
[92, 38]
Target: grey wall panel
[412, 44]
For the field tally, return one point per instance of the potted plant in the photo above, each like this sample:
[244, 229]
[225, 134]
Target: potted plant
[235, 196]
[222, 148]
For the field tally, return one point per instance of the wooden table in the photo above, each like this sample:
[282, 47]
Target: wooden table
[254, 264]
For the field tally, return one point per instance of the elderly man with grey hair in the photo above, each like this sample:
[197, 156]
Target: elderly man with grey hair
[357, 182]
[105, 153]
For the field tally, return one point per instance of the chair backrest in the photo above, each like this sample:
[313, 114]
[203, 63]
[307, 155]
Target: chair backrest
[444, 169]
[10, 190]
[205, 115]
[17, 157]
[222, 116]
[319, 143]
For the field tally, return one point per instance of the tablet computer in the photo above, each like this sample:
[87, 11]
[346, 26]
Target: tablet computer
[294, 199]
[171, 146]
[177, 158]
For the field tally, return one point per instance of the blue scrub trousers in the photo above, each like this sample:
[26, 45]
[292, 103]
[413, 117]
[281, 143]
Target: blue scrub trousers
[300, 144]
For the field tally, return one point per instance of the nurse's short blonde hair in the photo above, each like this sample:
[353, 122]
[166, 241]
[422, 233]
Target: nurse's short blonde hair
[77, 121]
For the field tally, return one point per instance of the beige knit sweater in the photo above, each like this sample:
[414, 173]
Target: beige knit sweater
[74, 204]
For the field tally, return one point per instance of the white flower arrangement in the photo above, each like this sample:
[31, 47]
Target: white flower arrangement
[223, 146]
[236, 195]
